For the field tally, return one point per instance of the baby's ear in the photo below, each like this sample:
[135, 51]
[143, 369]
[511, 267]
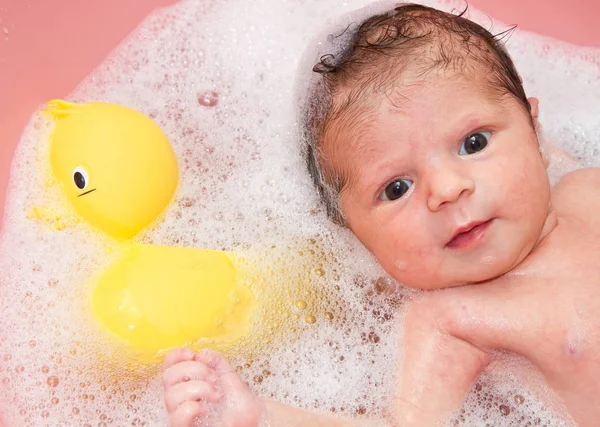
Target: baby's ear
[534, 110]
[534, 103]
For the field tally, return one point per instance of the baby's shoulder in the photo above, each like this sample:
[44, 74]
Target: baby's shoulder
[578, 193]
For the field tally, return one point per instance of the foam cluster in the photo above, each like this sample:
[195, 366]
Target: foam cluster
[220, 78]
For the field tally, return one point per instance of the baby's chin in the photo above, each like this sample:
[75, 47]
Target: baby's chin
[424, 283]
[429, 283]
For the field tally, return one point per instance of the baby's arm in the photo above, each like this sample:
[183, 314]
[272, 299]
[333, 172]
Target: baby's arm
[438, 368]
[203, 385]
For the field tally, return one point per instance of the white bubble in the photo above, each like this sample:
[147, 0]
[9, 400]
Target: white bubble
[208, 99]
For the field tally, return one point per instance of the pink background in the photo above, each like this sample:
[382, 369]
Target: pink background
[48, 46]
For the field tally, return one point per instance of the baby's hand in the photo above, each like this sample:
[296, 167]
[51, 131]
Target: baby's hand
[204, 386]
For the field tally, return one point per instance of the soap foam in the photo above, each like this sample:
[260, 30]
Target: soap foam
[219, 78]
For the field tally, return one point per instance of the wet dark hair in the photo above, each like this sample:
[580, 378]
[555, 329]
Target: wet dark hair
[373, 55]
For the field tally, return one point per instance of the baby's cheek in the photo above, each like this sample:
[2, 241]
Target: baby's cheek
[528, 184]
[408, 263]
[504, 184]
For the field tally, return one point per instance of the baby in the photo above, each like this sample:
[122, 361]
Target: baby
[421, 140]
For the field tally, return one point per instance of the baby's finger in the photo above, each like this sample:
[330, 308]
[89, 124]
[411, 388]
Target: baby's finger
[192, 390]
[176, 356]
[188, 371]
[215, 361]
[186, 413]
[228, 377]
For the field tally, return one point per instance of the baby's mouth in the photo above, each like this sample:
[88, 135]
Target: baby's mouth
[469, 234]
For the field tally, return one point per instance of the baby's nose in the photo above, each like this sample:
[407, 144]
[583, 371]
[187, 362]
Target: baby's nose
[446, 186]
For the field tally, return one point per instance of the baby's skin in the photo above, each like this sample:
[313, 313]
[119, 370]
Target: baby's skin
[451, 194]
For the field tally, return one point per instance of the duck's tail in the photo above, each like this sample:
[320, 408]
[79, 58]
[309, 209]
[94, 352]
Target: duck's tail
[57, 108]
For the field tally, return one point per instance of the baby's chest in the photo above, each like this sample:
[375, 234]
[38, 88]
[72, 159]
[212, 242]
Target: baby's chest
[568, 295]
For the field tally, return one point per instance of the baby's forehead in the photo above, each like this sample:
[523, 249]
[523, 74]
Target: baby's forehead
[359, 104]
[411, 110]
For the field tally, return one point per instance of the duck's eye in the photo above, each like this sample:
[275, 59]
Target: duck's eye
[80, 177]
[395, 189]
[474, 143]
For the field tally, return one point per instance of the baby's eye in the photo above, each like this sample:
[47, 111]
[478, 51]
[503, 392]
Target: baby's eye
[80, 177]
[474, 143]
[395, 189]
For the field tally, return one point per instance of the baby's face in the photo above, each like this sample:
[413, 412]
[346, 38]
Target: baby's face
[445, 184]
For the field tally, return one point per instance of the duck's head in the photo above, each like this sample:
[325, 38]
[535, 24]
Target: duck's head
[115, 164]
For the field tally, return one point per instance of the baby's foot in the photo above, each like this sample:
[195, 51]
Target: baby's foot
[202, 387]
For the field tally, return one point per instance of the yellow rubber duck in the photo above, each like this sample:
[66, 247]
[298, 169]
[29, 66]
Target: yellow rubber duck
[119, 172]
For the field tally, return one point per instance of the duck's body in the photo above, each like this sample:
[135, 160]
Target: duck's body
[160, 297]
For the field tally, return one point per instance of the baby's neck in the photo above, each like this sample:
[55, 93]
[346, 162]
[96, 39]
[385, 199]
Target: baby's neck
[525, 267]
[549, 225]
